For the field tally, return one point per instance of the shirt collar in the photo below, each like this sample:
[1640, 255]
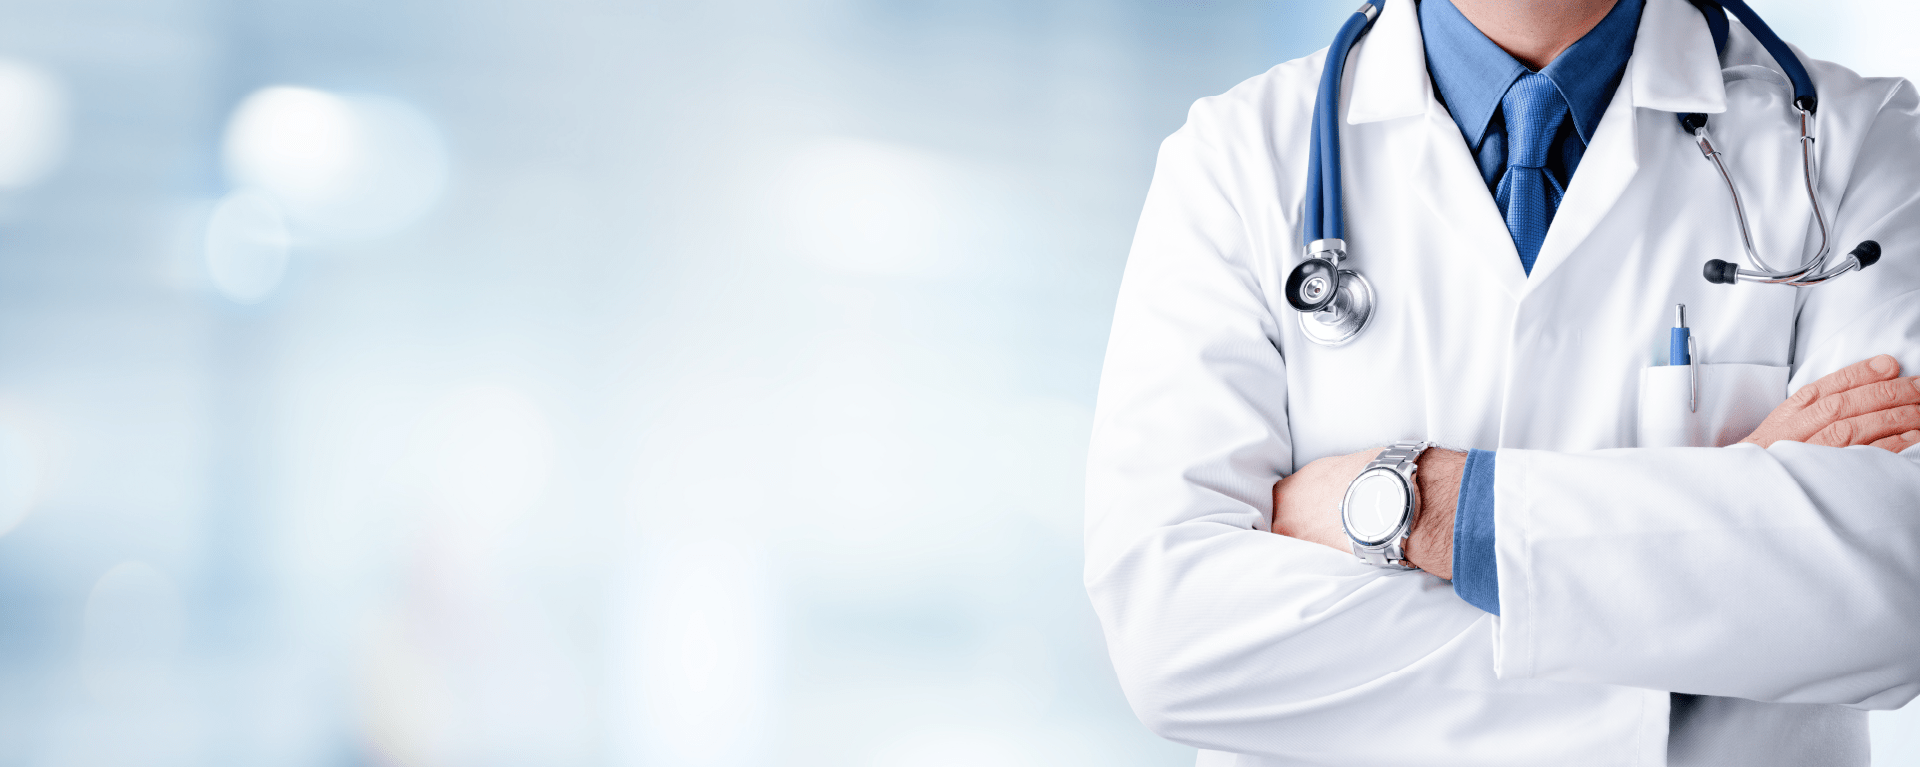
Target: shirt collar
[1472, 73]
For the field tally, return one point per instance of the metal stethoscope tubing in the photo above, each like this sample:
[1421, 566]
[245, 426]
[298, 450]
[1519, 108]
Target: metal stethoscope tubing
[1812, 270]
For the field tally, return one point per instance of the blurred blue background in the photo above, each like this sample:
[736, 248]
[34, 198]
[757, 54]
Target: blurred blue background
[580, 382]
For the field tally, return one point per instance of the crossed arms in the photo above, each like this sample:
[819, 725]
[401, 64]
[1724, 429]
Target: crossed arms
[1867, 403]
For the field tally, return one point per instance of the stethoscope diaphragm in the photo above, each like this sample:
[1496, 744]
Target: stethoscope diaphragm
[1346, 311]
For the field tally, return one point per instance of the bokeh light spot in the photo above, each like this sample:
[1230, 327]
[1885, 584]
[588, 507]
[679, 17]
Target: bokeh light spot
[345, 167]
[297, 143]
[33, 124]
[247, 247]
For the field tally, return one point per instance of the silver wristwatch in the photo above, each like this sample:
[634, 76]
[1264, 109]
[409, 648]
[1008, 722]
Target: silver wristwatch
[1379, 506]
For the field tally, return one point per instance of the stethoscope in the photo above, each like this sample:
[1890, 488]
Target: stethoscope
[1335, 304]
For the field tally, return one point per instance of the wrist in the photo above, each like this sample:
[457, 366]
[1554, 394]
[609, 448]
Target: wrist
[1430, 545]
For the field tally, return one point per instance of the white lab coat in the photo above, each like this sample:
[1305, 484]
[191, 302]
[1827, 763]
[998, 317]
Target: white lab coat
[1629, 568]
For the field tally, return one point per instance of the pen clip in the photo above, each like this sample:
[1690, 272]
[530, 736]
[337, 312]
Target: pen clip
[1693, 361]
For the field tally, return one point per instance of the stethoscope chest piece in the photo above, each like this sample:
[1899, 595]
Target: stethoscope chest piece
[1334, 304]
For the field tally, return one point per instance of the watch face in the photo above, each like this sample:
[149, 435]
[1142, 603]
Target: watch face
[1375, 504]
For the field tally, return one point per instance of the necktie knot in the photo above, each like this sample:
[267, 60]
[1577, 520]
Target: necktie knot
[1534, 110]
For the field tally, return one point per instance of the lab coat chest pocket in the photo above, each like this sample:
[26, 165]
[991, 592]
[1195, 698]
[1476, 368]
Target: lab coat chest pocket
[1733, 400]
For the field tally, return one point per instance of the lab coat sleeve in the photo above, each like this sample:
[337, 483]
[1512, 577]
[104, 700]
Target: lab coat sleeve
[1787, 574]
[1224, 635]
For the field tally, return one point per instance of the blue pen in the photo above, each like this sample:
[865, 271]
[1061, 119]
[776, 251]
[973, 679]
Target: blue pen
[1680, 352]
[1677, 351]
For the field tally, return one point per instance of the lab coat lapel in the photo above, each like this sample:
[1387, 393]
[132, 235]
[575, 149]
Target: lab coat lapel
[1673, 69]
[1446, 177]
[1389, 81]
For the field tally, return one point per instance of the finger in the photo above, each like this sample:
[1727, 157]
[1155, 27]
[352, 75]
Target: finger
[1899, 442]
[1854, 402]
[1867, 371]
[1869, 428]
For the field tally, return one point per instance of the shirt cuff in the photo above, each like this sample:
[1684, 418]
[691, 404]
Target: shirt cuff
[1475, 571]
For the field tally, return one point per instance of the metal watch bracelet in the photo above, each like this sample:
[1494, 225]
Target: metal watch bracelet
[1402, 458]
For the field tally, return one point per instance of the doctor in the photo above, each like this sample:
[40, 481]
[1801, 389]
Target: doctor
[1620, 561]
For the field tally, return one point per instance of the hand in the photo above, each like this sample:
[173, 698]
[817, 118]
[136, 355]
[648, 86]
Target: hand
[1306, 504]
[1865, 403]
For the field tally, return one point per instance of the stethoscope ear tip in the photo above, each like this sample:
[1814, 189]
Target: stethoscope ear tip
[1867, 253]
[1721, 272]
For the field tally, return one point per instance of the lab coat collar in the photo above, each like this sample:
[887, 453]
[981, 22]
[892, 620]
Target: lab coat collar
[1675, 68]
[1388, 71]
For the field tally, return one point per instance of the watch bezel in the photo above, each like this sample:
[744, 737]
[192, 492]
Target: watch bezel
[1407, 505]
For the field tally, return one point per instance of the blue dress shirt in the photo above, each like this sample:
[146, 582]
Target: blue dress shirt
[1471, 74]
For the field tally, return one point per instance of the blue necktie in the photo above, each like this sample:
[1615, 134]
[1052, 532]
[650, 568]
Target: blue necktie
[1528, 194]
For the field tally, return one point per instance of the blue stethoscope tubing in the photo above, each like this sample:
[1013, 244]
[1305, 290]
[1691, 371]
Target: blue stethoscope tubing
[1335, 304]
[1323, 171]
